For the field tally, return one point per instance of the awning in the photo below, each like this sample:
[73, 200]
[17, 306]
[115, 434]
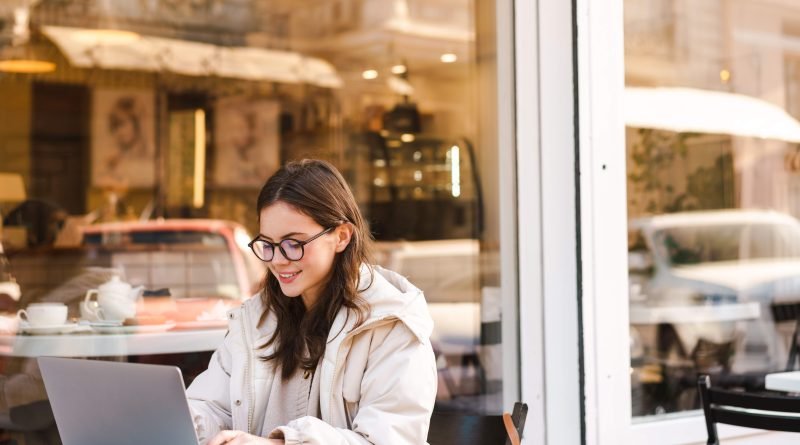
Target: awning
[192, 58]
[702, 111]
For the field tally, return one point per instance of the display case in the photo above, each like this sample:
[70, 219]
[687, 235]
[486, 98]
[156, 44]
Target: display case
[420, 187]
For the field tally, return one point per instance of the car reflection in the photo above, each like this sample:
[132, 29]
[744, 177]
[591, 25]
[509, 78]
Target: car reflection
[719, 274]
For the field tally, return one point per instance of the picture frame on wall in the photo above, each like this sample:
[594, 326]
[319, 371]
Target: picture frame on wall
[123, 138]
[247, 141]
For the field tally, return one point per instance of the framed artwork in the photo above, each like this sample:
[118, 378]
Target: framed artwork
[247, 146]
[123, 138]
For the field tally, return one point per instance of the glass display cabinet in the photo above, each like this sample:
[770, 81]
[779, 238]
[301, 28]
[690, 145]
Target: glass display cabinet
[421, 187]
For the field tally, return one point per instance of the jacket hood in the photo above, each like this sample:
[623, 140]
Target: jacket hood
[391, 295]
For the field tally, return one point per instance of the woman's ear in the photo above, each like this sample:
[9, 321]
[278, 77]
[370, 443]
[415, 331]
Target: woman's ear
[344, 233]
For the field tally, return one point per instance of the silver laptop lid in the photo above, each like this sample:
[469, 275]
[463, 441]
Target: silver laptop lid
[101, 403]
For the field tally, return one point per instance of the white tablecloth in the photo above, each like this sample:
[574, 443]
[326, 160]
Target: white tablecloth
[100, 345]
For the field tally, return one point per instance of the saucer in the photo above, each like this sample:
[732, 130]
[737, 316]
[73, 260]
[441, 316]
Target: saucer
[133, 329]
[48, 329]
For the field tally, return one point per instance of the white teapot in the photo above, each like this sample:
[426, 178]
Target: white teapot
[116, 301]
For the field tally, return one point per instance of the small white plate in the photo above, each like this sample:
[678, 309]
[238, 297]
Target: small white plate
[48, 329]
[133, 329]
[202, 324]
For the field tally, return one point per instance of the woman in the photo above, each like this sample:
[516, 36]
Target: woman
[333, 350]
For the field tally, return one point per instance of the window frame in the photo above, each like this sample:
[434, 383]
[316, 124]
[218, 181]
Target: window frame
[603, 246]
[549, 310]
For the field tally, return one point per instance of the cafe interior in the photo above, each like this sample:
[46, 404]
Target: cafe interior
[135, 137]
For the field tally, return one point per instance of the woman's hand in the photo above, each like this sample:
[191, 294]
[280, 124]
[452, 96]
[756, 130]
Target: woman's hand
[230, 437]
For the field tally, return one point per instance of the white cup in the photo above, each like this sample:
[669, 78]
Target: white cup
[44, 314]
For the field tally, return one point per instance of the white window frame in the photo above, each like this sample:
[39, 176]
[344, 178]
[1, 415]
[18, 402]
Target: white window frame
[504, 19]
[603, 222]
[547, 222]
[603, 233]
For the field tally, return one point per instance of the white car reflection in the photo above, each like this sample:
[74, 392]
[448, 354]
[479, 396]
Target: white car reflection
[716, 258]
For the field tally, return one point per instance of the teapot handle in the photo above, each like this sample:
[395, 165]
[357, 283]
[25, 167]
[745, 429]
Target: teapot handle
[92, 310]
[89, 294]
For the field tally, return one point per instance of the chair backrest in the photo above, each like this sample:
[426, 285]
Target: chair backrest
[789, 311]
[785, 311]
[753, 410]
[465, 429]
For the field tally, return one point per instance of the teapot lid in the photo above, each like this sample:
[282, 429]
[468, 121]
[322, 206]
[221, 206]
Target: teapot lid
[115, 284]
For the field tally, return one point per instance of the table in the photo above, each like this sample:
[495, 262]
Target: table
[783, 381]
[714, 322]
[109, 345]
[694, 313]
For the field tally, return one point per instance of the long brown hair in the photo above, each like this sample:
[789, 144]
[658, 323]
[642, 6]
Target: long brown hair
[314, 188]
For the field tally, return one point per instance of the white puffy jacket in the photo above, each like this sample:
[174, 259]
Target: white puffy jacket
[378, 379]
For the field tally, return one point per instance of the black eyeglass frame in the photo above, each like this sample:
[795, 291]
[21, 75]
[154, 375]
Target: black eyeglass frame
[299, 243]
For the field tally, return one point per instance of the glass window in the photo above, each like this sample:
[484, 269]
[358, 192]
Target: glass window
[142, 135]
[712, 189]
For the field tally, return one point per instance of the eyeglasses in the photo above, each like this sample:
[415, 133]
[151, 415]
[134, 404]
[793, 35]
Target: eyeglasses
[291, 249]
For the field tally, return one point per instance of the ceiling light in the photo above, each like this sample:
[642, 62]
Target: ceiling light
[19, 57]
[27, 66]
[407, 137]
[369, 74]
[399, 69]
[448, 58]
[106, 36]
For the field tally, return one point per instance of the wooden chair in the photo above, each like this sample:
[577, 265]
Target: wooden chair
[738, 408]
[466, 429]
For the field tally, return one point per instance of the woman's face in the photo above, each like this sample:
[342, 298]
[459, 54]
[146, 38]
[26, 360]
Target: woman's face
[307, 276]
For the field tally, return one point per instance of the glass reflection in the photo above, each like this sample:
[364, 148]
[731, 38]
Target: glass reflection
[123, 180]
[713, 232]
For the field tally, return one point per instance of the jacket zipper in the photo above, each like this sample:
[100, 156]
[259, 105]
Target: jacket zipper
[335, 372]
[247, 370]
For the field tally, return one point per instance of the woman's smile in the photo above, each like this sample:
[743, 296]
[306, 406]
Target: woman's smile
[287, 277]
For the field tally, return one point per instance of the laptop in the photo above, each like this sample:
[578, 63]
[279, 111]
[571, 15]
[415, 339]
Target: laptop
[100, 403]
